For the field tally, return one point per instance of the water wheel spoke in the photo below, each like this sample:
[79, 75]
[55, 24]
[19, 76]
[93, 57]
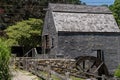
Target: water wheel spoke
[80, 67]
[90, 67]
[98, 67]
[87, 67]
[84, 65]
[93, 64]
[91, 74]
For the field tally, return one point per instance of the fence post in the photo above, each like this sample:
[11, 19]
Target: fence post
[103, 77]
[115, 78]
[21, 62]
[26, 64]
[67, 74]
[49, 72]
[35, 65]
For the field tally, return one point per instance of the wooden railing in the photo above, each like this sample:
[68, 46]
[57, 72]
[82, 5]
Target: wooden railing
[32, 66]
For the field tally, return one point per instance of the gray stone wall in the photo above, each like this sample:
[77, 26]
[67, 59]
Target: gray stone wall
[50, 30]
[74, 45]
[53, 35]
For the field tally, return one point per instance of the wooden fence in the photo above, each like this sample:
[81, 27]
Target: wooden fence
[32, 65]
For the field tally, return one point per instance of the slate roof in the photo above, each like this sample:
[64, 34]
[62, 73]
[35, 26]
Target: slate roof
[79, 8]
[81, 18]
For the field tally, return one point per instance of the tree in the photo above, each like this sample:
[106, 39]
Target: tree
[17, 10]
[115, 8]
[4, 60]
[26, 33]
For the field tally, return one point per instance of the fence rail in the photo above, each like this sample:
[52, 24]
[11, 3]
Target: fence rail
[32, 65]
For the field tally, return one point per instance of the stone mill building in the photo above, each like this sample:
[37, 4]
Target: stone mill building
[81, 30]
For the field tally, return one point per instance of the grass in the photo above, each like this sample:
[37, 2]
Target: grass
[56, 78]
[75, 78]
[117, 72]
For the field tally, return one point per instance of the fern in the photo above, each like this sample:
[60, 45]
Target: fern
[4, 61]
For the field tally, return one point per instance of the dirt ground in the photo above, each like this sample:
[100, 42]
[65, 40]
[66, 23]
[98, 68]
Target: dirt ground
[22, 75]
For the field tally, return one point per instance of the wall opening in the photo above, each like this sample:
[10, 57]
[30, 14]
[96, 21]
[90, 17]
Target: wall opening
[99, 54]
[46, 44]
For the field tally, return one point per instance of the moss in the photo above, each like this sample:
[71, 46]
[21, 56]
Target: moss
[75, 78]
[56, 78]
[117, 72]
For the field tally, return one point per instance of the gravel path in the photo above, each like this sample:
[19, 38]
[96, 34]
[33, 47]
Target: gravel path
[23, 75]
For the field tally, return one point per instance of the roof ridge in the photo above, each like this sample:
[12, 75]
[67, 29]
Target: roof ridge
[76, 4]
[79, 8]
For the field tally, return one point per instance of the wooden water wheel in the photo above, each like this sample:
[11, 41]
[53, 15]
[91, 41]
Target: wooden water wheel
[91, 66]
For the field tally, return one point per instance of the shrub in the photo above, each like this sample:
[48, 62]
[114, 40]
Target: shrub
[4, 61]
[117, 72]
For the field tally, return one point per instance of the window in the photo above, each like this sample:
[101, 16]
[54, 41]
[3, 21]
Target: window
[47, 41]
[100, 54]
[52, 43]
[46, 44]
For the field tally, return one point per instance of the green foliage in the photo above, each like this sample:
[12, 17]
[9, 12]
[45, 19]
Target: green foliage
[4, 61]
[117, 72]
[18, 10]
[115, 8]
[25, 33]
